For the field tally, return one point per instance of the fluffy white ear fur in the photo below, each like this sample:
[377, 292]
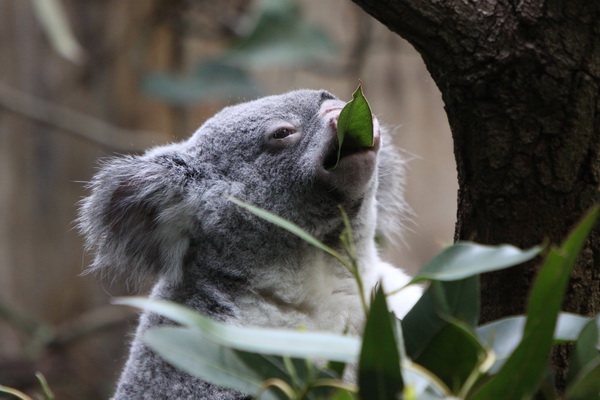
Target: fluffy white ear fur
[137, 219]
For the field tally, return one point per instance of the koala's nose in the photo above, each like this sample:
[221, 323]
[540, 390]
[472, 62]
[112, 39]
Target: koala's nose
[330, 110]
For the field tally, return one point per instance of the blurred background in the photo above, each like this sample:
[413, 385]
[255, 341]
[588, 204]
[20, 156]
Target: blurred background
[82, 80]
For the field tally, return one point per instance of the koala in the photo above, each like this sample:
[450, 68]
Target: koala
[166, 216]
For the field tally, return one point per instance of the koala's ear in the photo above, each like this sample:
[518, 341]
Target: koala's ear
[137, 219]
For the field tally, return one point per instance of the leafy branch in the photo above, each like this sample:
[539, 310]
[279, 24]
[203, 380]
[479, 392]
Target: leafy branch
[416, 357]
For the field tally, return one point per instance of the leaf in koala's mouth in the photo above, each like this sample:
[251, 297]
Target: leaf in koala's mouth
[355, 126]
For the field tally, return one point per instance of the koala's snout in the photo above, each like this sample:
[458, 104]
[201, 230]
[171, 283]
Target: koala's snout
[356, 165]
[330, 110]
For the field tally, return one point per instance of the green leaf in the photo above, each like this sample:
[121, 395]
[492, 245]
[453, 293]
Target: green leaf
[336, 367]
[281, 37]
[586, 347]
[452, 295]
[14, 392]
[48, 394]
[440, 356]
[442, 302]
[397, 326]
[288, 226]
[465, 259]
[421, 384]
[379, 375]
[343, 395]
[186, 349]
[584, 370]
[212, 81]
[519, 377]
[504, 335]
[461, 300]
[586, 385]
[53, 19]
[355, 124]
[289, 343]
[569, 327]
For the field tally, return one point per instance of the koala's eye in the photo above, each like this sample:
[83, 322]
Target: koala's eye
[282, 133]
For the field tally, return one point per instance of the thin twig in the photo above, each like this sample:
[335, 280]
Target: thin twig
[22, 322]
[90, 322]
[348, 244]
[44, 335]
[89, 128]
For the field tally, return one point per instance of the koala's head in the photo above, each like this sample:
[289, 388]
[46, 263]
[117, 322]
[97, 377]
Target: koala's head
[155, 212]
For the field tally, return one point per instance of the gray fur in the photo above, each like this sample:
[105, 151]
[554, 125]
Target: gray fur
[164, 216]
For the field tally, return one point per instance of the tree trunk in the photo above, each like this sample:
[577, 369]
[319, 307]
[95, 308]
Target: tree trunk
[520, 81]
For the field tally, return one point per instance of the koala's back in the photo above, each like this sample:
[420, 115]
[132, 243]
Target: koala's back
[166, 215]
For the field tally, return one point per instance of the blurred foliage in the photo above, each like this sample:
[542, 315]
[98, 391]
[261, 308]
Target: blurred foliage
[279, 36]
[53, 18]
[274, 33]
[436, 352]
[212, 81]
[47, 392]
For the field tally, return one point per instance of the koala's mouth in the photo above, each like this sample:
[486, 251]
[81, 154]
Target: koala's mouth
[349, 153]
[356, 164]
[331, 160]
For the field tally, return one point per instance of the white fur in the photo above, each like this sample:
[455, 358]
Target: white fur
[323, 296]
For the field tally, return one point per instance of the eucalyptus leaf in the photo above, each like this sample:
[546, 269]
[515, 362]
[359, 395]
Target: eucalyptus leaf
[586, 385]
[14, 392]
[185, 349]
[343, 395]
[336, 367]
[519, 377]
[379, 375]
[587, 348]
[211, 81]
[287, 225]
[289, 343]
[442, 302]
[425, 395]
[452, 295]
[280, 36]
[355, 124]
[440, 356]
[504, 335]
[461, 300]
[464, 259]
[54, 21]
[397, 325]
[421, 384]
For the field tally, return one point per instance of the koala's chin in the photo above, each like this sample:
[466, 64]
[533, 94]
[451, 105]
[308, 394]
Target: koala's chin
[166, 216]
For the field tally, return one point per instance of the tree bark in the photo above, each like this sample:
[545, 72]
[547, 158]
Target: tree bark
[520, 81]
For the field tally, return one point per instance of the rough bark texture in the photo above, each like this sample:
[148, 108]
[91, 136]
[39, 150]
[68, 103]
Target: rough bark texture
[520, 80]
